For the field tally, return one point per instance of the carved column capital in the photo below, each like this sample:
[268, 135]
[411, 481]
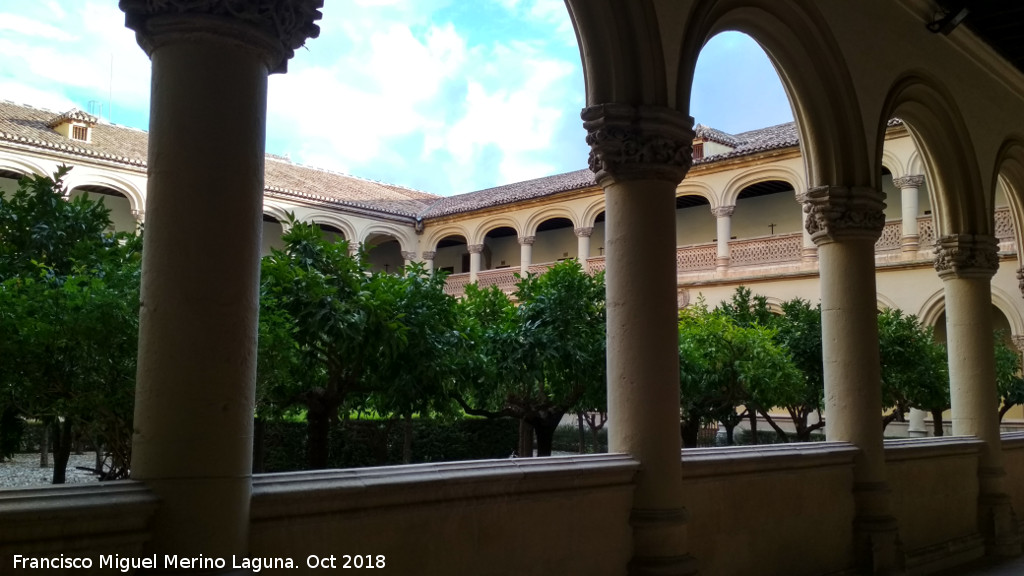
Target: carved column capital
[837, 212]
[140, 215]
[911, 181]
[584, 232]
[1020, 280]
[527, 240]
[475, 248]
[723, 211]
[966, 256]
[1018, 342]
[273, 27]
[638, 142]
[408, 255]
[429, 255]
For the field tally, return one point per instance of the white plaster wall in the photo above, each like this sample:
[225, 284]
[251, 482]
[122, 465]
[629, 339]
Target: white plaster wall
[503, 251]
[753, 215]
[552, 245]
[695, 225]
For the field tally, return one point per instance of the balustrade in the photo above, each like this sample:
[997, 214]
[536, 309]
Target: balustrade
[766, 250]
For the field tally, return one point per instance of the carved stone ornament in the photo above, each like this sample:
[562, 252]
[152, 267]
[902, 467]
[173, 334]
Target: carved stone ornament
[1020, 280]
[429, 255]
[584, 232]
[638, 142]
[527, 240]
[1018, 342]
[682, 298]
[723, 211]
[475, 248]
[913, 181]
[408, 255]
[275, 27]
[966, 256]
[837, 213]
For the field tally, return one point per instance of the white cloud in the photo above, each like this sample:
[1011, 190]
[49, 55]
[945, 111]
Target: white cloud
[23, 26]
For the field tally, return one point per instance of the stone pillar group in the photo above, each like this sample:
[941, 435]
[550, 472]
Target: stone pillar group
[845, 223]
[723, 222]
[639, 155]
[198, 319]
[966, 264]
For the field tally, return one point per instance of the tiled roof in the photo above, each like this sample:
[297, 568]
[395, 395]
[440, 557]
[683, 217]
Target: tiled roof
[30, 126]
[509, 193]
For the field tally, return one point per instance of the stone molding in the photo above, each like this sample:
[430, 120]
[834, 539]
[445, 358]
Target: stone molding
[912, 181]
[638, 142]
[273, 27]
[139, 215]
[966, 256]
[429, 255]
[836, 213]
[475, 248]
[723, 211]
[527, 240]
[408, 255]
[584, 232]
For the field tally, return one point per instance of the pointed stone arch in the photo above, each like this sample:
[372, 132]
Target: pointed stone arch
[758, 174]
[547, 213]
[494, 222]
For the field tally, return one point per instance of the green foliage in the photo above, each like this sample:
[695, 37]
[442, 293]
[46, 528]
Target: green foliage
[1009, 381]
[69, 298]
[724, 365]
[537, 360]
[798, 330]
[915, 372]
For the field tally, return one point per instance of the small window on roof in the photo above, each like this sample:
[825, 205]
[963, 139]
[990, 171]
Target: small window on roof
[698, 150]
[80, 133]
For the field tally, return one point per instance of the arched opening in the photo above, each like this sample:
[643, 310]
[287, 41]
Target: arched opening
[9, 181]
[999, 324]
[121, 217]
[385, 253]
[452, 255]
[695, 224]
[271, 238]
[331, 233]
[767, 208]
[555, 241]
[501, 249]
[597, 238]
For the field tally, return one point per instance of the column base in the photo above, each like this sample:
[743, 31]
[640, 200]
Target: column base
[997, 523]
[809, 254]
[722, 264]
[877, 546]
[659, 543]
[910, 244]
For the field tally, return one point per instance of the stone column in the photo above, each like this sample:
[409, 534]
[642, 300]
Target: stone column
[639, 155]
[353, 248]
[525, 254]
[809, 251]
[140, 216]
[909, 186]
[192, 443]
[966, 264]
[428, 260]
[845, 223]
[723, 222]
[916, 428]
[475, 250]
[583, 244]
[409, 257]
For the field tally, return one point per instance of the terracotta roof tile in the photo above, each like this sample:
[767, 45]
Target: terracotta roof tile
[519, 191]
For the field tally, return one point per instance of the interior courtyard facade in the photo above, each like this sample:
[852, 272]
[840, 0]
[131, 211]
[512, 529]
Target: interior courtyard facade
[847, 206]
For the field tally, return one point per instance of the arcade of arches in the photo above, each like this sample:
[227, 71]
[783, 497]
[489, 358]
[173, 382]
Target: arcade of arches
[921, 213]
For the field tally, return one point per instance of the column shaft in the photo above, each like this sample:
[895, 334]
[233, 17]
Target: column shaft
[474, 261]
[525, 254]
[909, 186]
[200, 297]
[723, 224]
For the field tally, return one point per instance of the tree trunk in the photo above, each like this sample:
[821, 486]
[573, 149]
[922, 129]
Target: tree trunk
[753, 426]
[937, 423]
[259, 430]
[318, 430]
[407, 439]
[98, 445]
[44, 448]
[730, 436]
[525, 439]
[1004, 409]
[61, 450]
[778, 430]
[583, 436]
[545, 438]
[690, 429]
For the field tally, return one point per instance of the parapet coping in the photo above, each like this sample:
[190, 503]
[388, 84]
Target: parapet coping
[904, 449]
[765, 459]
[331, 491]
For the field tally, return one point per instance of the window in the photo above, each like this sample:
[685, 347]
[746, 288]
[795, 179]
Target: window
[80, 133]
[698, 150]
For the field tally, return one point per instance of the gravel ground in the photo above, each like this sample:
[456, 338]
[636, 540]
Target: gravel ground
[23, 470]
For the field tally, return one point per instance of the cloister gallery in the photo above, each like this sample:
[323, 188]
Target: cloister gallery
[899, 185]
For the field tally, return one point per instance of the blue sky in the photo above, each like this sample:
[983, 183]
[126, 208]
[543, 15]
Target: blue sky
[436, 95]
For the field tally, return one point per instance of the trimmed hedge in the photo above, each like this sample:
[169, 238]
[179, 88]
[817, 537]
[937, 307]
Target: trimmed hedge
[361, 443]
